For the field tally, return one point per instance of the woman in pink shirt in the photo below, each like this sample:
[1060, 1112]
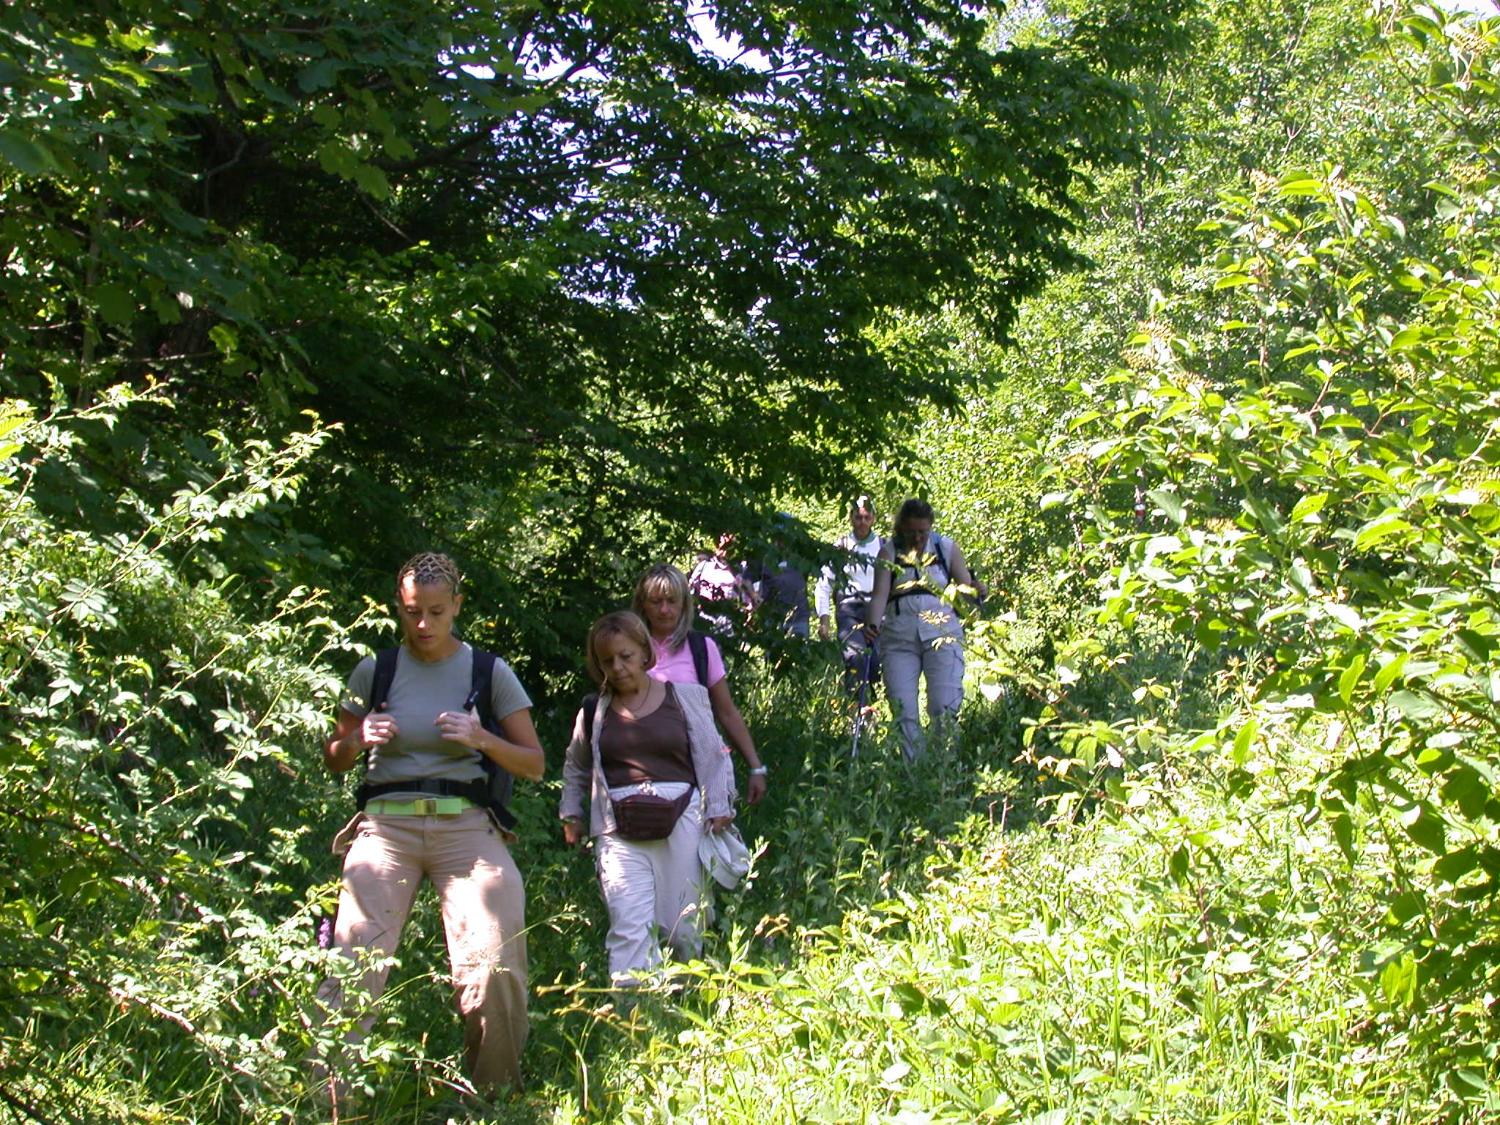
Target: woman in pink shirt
[661, 598]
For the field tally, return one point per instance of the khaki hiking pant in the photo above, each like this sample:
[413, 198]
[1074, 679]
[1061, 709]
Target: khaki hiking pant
[484, 920]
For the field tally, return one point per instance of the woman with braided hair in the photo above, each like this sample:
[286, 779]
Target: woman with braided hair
[427, 810]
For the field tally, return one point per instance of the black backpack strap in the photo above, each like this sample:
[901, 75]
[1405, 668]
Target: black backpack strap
[937, 549]
[497, 795]
[698, 643]
[590, 705]
[479, 690]
[380, 691]
[385, 676]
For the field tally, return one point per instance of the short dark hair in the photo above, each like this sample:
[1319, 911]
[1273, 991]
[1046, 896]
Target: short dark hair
[914, 509]
[620, 623]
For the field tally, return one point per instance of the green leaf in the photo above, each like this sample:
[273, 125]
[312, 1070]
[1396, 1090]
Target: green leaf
[1169, 503]
[1264, 514]
[1299, 184]
[1389, 671]
[1349, 678]
[1425, 828]
[1470, 1083]
[1347, 616]
[1398, 980]
[319, 75]
[1416, 706]
[1309, 506]
[114, 302]
[1455, 865]
[1479, 646]
[30, 979]
[334, 157]
[1343, 833]
[1180, 862]
[1244, 742]
[226, 338]
[1380, 528]
[25, 154]
[436, 113]
[372, 180]
[1466, 791]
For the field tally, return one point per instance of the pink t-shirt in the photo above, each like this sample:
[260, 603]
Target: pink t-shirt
[677, 667]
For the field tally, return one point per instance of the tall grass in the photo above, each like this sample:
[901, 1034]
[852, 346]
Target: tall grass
[916, 944]
[919, 947]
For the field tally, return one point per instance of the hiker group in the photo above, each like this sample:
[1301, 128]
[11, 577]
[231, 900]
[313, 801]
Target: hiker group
[442, 729]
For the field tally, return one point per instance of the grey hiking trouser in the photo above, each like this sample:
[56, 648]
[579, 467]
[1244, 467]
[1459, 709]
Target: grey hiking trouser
[917, 642]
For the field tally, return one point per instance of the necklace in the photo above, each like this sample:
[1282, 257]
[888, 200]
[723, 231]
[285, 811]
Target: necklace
[634, 702]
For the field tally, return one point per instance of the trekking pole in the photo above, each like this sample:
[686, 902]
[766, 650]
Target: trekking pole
[860, 697]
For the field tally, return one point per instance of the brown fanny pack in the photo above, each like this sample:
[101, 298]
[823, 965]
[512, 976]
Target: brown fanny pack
[645, 816]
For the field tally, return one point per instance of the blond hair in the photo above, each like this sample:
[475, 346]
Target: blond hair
[664, 578]
[431, 569]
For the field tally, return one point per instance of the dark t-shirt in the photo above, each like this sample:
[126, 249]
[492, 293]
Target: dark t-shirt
[652, 748]
[783, 589]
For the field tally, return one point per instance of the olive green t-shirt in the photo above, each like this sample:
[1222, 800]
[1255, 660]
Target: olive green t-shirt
[419, 693]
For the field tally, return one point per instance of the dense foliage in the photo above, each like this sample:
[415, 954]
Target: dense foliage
[1319, 473]
[155, 921]
[292, 291]
[574, 283]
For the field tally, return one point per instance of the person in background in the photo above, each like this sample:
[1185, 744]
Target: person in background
[726, 596]
[845, 595]
[781, 586]
[426, 812]
[921, 637]
[684, 656]
[643, 736]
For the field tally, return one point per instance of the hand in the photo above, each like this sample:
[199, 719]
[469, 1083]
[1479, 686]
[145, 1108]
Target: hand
[823, 630]
[871, 631]
[572, 831]
[755, 788]
[462, 727]
[719, 823]
[376, 729]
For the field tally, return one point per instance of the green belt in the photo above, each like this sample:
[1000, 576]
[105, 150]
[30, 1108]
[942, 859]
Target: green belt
[418, 806]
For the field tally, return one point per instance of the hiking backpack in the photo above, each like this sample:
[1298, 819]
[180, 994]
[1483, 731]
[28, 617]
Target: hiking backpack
[490, 792]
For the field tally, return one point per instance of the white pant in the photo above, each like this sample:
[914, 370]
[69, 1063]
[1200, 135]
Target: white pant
[652, 885]
[906, 655]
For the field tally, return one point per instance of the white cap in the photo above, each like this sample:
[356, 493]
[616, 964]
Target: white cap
[724, 856]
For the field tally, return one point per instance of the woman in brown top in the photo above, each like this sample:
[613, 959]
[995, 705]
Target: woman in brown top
[644, 737]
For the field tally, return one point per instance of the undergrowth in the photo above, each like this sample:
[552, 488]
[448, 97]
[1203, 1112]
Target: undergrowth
[1181, 956]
